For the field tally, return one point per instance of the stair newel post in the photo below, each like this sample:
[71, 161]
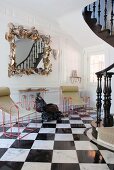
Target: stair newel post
[99, 11]
[99, 98]
[105, 15]
[94, 7]
[111, 20]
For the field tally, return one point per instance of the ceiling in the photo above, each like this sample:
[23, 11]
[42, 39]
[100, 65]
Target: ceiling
[65, 14]
[50, 8]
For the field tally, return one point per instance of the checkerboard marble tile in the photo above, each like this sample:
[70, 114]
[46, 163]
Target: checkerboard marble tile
[55, 145]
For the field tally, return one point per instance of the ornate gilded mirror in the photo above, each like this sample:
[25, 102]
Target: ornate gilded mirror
[29, 51]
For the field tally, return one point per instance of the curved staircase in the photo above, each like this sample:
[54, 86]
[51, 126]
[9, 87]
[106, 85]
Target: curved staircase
[99, 16]
[34, 57]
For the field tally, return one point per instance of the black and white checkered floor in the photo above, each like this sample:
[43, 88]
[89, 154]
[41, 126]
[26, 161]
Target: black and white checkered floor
[55, 146]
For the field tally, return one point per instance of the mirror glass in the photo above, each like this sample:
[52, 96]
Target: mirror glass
[29, 51]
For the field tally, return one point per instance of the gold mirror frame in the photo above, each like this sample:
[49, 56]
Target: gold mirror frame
[22, 33]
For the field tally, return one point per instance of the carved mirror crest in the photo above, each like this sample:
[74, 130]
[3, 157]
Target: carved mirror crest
[29, 51]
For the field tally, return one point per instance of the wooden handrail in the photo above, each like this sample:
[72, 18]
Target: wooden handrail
[105, 70]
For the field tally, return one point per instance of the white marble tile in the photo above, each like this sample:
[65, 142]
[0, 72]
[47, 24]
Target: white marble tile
[29, 136]
[13, 154]
[6, 143]
[76, 121]
[47, 130]
[85, 145]
[15, 129]
[64, 156]
[34, 125]
[63, 125]
[88, 126]
[78, 130]
[87, 118]
[108, 156]
[63, 137]
[84, 166]
[36, 166]
[74, 116]
[65, 118]
[51, 122]
[42, 144]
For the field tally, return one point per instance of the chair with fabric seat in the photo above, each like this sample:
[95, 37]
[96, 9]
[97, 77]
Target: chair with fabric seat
[71, 98]
[15, 111]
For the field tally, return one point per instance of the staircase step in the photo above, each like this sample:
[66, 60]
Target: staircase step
[104, 33]
[110, 40]
[87, 15]
[106, 135]
[97, 28]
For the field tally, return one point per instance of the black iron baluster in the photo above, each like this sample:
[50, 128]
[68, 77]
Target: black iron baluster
[34, 51]
[99, 11]
[36, 48]
[109, 90]
[105, 15]
[111, 20]
[89, 7]
[99, 98]
[26, 63]
[94, 7]
[29, 61]
[23, 64]
[105, 99]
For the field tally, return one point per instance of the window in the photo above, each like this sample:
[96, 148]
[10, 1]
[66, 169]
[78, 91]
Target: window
[97, 63]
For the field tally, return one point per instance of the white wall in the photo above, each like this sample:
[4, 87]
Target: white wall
[63, 44]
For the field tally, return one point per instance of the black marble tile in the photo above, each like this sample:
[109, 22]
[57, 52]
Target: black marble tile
[80, 137]
[20, 124]
[63, 121]
[6, 165]
[36, 155]
[63, 130]
[64, 145]
[26, 144]
[75, 118]
[77, 126]
[36, 121]
[111, 166]
[14, 136]
[2, 151]
[87, 121]
[31, 130]
[46, 125]
[90, 156]
[5, 129]
[45, 136]
[65, 166]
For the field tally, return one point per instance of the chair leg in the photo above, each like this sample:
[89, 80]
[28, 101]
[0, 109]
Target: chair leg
[3, 122]
[10, 126]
